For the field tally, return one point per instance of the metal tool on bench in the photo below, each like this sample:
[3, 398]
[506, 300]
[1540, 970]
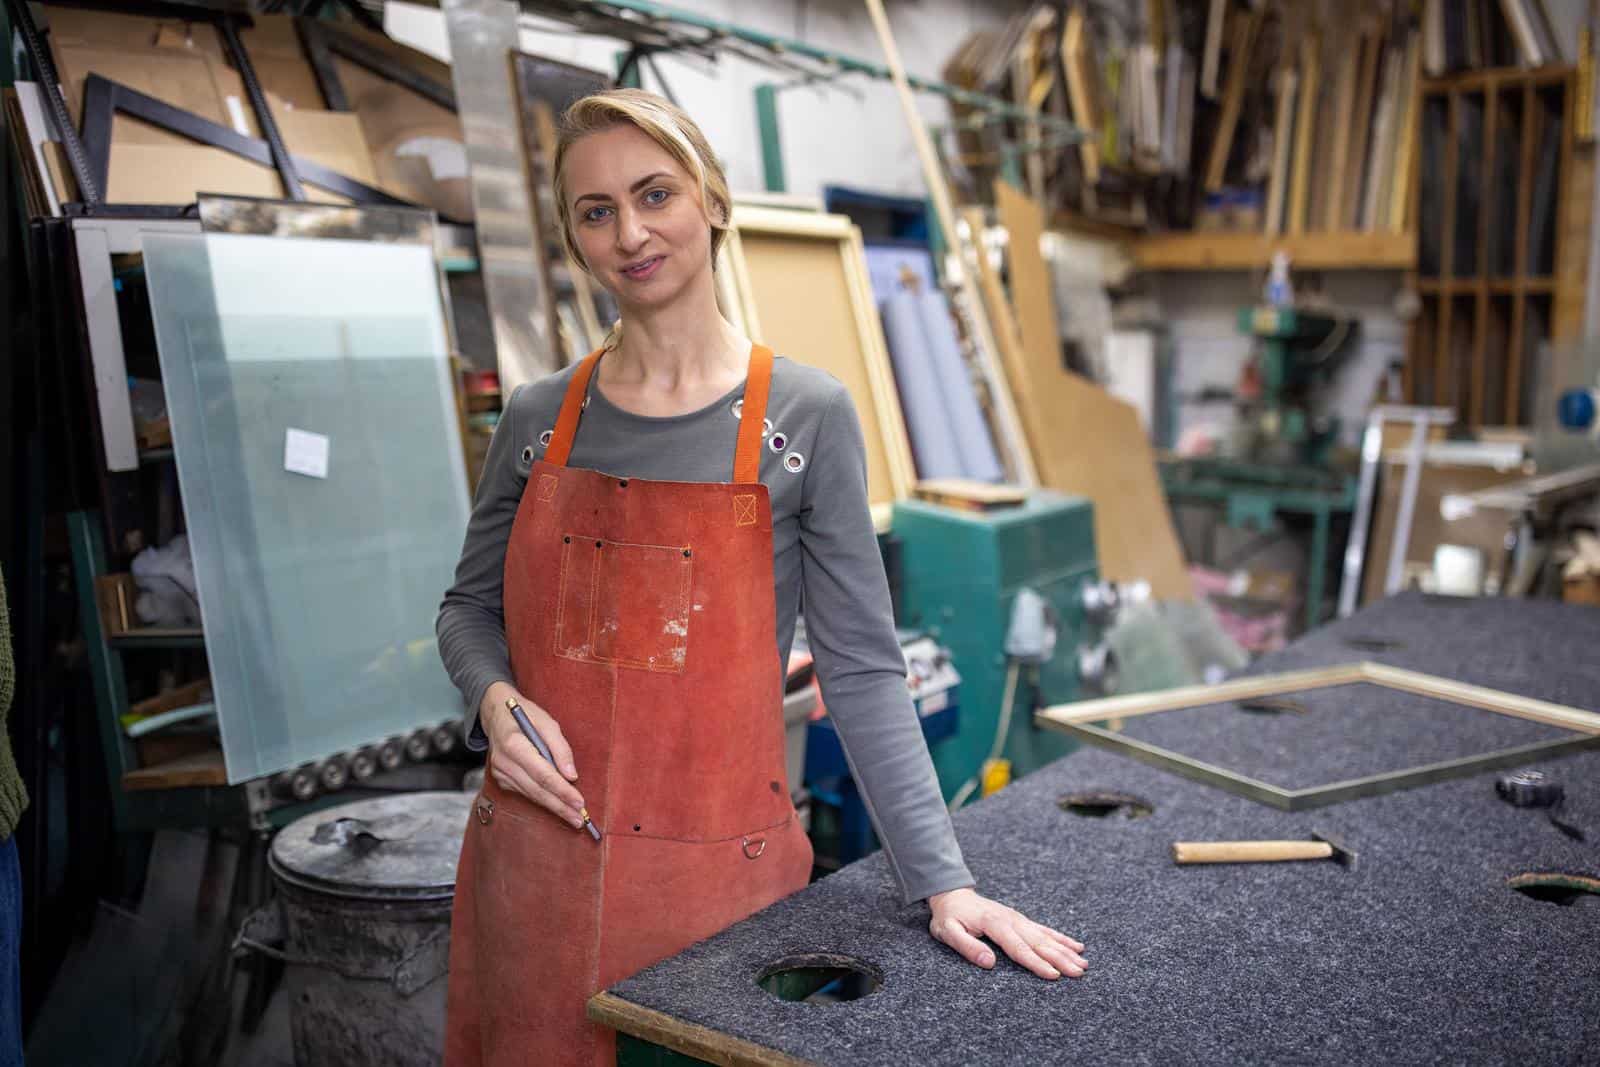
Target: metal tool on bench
[1320, 846]
[1535, 789]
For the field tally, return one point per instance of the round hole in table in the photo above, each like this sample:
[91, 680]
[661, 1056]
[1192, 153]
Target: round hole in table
[1558, 887]
[820, 978]
[1100, 803]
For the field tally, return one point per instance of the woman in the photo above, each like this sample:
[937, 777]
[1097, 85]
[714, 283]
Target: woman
[641, 618]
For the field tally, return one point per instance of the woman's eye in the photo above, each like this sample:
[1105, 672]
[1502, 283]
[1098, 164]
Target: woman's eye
[595, 214]
[656, 196]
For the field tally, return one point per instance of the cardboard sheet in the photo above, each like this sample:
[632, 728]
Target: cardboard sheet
[185, 81]
[1084, 440]
[415, 144]
[805, 306]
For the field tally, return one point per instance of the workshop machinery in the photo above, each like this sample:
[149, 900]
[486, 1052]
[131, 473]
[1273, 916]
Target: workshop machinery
[1279, 459]
[961, 572]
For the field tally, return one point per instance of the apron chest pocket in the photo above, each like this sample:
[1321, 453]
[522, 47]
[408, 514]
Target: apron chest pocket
[624, 604]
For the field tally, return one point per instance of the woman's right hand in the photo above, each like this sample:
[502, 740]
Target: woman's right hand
[517, 766]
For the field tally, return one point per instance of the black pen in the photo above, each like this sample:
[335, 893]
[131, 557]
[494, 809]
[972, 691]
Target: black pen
[544, 750]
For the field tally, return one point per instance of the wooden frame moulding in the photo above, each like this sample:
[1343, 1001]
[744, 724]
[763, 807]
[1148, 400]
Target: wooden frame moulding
[960, 271]
[1081, 720]
[882, 420]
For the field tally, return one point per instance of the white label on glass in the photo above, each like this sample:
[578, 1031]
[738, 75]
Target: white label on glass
[305, 452]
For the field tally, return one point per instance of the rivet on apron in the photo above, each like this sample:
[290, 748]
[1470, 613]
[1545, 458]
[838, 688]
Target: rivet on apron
[686, 553]
[566, 540]
[597, 544]
[759, 844]
[794, 463]
[623, 484]
[485, 810]
[544, 439]
[778, 441]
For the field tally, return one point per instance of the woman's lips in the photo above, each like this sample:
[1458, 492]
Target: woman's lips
[644, 269]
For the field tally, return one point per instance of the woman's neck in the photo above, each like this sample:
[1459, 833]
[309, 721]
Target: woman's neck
[680, 346]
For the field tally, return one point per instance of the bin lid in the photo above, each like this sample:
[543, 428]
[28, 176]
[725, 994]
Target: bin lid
[401, 847]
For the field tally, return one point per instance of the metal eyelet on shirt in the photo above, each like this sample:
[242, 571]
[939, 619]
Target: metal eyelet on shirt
[778, 441]
[544, 438]
[737, 408]
[527, 454]
[794, 463]
[766, 428]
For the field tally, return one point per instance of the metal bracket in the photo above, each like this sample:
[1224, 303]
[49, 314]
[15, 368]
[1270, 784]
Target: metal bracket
[103, 99]
[323, 42]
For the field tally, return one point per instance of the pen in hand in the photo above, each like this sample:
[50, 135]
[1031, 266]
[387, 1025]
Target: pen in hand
[544, 750]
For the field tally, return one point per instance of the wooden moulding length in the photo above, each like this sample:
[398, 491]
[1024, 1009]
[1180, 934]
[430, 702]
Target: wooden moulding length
[1006, 423]
[691, 1039]
[752, 222]
[1081, 719]
[1086, 441]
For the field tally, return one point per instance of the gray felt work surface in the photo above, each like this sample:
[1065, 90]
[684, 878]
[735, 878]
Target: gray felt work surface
[1421, 954]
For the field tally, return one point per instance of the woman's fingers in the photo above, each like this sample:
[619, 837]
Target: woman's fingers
[1010, 938]
[952, 933]
[550, 730]
[514, 777]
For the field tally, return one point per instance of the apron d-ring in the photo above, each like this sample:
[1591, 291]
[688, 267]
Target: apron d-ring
[485, 810]
[753, 848]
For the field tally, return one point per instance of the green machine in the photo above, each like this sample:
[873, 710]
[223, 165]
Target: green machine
[1297, 354]
[1279, 461]
[961, 573]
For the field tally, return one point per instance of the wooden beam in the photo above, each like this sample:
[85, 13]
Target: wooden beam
[1200, 250]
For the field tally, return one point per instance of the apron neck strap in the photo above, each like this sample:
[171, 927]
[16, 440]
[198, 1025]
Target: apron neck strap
[752, 418]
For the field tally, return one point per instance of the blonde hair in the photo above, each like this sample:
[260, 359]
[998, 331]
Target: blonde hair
[664, 123]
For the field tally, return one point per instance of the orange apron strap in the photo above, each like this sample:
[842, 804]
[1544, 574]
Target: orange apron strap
[571, 408]
[747, 458]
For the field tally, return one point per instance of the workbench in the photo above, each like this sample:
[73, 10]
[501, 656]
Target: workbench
[1420, 953]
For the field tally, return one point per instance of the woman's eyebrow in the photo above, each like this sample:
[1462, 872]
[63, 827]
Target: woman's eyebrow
[634, 188]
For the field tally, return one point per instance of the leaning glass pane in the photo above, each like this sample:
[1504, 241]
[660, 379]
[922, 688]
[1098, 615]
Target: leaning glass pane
[319, 455]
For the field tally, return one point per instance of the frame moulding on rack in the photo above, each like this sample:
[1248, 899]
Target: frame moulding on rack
[740, 288]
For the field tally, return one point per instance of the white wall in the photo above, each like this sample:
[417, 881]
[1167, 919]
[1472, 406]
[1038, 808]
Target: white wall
[850, 132]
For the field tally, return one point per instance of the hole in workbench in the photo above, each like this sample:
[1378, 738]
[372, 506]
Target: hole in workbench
[1099, 803]
[1557, 887]
[820, 978]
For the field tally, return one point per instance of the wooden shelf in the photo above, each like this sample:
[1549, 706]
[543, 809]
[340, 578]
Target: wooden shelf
[202, 769]
[1208, 250]
[1499, 286]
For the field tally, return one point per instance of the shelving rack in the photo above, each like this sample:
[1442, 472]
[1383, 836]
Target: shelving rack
[1498, 276]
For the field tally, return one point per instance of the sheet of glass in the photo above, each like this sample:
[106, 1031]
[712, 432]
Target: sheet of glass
[319, 455]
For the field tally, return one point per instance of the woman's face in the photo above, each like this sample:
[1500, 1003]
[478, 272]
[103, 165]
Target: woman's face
[636, 216]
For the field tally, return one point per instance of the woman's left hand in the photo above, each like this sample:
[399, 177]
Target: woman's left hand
[962, 916]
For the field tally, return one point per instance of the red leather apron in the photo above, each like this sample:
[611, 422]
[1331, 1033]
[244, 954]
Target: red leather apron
[641, 615]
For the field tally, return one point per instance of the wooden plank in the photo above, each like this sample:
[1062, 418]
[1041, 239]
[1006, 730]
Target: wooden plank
[691, 1039]
[202, 769]
[1343, 107]
[1519, 315]
[807, 275]
[1310, 92]
[1403, 206]
[1194, 696]
[1477, 696]
[1361, 130]
[1427, 685]
[1074, 60]
[1010, 440]
[1282, 138]
[1343, 250]
[1085, 440]
[1233, 98]
[1574, 212]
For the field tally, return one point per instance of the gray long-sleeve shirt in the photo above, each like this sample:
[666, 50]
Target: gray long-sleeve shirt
[824, 550]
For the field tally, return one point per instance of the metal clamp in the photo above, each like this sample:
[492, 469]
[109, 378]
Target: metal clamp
[485, 810]
[760, 845]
